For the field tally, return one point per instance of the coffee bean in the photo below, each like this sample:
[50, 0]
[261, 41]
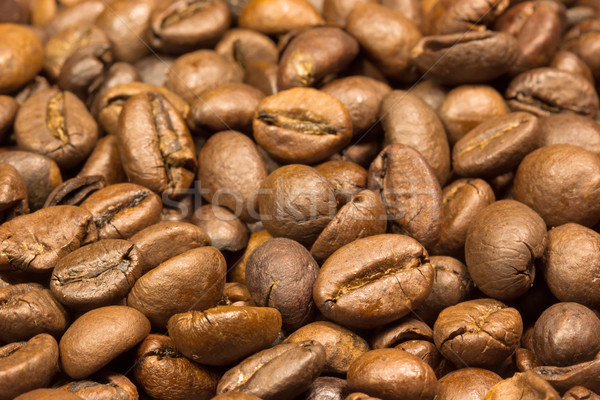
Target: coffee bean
[458, 16]
[465, 383]
[525, 385]
[396, 333]
[8, 111]
[98, 336]
[247, 47]
[281, 372]
[13, 193]
[22, 55]
[360, 396]
[48, 394]
[361, 274]
[105, 161]
[84, 68]
[564, 378]
[104, 384]
[117, 74]
[238, 272]
[74, 191]
[347, 178]
[569, 129]
[236, 294]
[277, 17]
[570, 62]
[579, 393]
[224, 334]
[28, 309]
[225, 230]
[427, 352]
[83, 12]
[326, 388]
[235, 396]
[583, 40]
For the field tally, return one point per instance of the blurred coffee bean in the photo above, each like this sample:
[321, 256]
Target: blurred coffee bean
[225, 230]
[21, 56]
[275, 17]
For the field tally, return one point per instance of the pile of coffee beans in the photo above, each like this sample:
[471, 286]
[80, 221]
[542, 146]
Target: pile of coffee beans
[300, 199]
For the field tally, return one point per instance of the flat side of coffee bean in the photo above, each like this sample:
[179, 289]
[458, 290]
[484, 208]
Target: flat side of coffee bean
[75, 190]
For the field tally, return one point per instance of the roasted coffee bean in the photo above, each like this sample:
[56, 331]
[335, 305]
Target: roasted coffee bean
[583, 40]
[225, 230]
[522, 385]
[560, 183]
[27, 365]
[461, 201]
[36, 242]
[394, 334]
[570, 264]
[237, 186]
[431, 92]
[545, 91]
[392, 374]
[14, 11]
[502, 244]
[193, 280]
[238, 272]
[235, 396]
[104, 384]
[302, 125]
[8, 111]
[168, 146]
[164, 240]
[281, 372]
[408, 120]
[580, 393]
[96, 275]
[410, 191]
[478, 333]
[275, 17]
[470, 57]
[458, 16]
[467, 106]
[466, 383]
[119, 211]
[566, 334]
[40, 174]
[165, 374]
[364, 215]
[342, 346]
[360, 153]
[236, 294]
[185, 25]
[326, 388]
[119, 73]
[193, 73]
[386, 35]
[82, 13]
[347, 178]
[225, 334]
[98, 336]
[262, 76]
[313, 55]
[563, 378]
[83, 68]
[28, 309]
[427, 352]
[296, 202]
[48, 394]
[360, 396]
[281, 273]
[569, 129]
[22, 55]
[13, 193]
[74, 191]
[105, 161]
[570, 62]
[495, 146]
[373, 281]
[246, 47]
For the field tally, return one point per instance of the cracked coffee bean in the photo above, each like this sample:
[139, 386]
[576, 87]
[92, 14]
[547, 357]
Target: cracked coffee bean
[104, 384]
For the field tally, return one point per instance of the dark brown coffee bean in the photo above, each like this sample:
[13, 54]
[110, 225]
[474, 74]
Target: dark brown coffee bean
[238, 272]
[410, 191]
[342, 346]
[570, 264]
[105, 161]
[394, 334]
[538, 26]
[237, 186]
[74, 191]
[461, 201]
[8, 111]
[583, 40]
[347, 178]
[392, 271]
[296, 202]
[364, 215]
[185, 25]
[280, 273]
[225, 230]
[27, 365]
[281, 372]
[545, 91]
[392, 374]
[166, 375]
[467, 106]
[302, 125]
[246, 47]
[21, 56]
[502, 244]
[386, 35]
[225, 334]
[566, 334]
[164, 240]
[193, 73]
[362, 96]
[119, 211]
[580, 393]
[277, 17]
[98, 336]
[522, 385]
[466, 383]
[36, 242]
[495, 146]
[193, 280]
[560, 183]
[15, 11]
[13, 193]
[408, 120]
[104, 384]
[478, 333]
[28, 309]
[168, 147]
[458, 16]
[96, 275]
[48, 394]
[563, 378]
[326, 388]
[569, 129]
[470, 57]
[313, 55]
[570, 62]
